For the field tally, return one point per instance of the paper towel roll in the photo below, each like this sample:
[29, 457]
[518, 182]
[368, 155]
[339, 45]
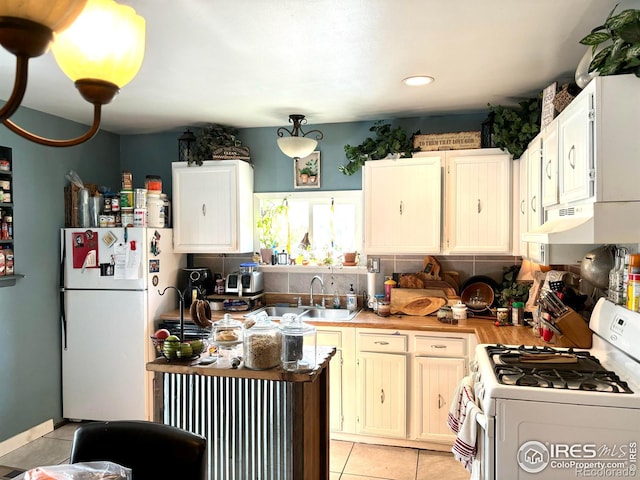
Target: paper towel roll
[371, 284]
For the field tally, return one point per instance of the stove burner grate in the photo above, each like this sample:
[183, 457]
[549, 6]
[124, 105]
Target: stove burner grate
[586, 374]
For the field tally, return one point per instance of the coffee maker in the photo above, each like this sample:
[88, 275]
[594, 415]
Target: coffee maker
[197, 283]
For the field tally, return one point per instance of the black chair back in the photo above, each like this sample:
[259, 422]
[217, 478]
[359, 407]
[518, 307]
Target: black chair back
[151, 450]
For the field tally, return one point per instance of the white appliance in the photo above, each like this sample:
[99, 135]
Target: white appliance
[111, 279]
[552, 420]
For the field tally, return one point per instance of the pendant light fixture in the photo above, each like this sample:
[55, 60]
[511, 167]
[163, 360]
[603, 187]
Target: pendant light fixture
[297, 144]
[99, 44]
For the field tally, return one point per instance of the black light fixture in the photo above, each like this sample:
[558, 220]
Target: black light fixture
[297, 145]
[185, 147]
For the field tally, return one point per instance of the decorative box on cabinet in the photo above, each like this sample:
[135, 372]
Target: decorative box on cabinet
[213, 207]
[402, 205]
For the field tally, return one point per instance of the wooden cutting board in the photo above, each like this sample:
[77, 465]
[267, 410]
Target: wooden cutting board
[416, 301]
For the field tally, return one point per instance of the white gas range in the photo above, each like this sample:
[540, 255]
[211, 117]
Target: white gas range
[551, 413]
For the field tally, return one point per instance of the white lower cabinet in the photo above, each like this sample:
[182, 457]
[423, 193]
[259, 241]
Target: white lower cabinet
[434, 381]
[394, 386]
[382, 394]
[341, 392]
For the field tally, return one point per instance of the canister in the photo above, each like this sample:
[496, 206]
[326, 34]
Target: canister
[127, 217]
[127, 181]
[503, 315]
[140, 198]
[153, 183]
[262, 345]
[139, 217]
[384, 308]
[298, 350]
[388, 285]
[126, 199]
[155, 211]
[517, 313]
[459, 311]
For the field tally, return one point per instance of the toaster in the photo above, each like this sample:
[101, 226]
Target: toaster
[244, 283]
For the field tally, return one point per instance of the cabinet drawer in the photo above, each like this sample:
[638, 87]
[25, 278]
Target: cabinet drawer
[333, 339]
[440, 346]
[382, 343]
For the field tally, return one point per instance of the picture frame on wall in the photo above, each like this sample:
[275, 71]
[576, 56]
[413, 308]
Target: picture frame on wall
[306, 171]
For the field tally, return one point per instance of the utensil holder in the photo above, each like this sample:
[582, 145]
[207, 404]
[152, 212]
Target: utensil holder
[575, 328]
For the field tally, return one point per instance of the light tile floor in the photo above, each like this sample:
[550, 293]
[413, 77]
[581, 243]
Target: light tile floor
[348, 461]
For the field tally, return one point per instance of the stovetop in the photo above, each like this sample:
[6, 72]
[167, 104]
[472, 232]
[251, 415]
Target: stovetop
[547, 367]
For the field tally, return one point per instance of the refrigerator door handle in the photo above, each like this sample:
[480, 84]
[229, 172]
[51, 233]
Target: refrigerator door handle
[63, 315]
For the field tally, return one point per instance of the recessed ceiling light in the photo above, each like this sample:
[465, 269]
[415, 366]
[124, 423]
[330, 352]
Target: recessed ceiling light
[418, 80]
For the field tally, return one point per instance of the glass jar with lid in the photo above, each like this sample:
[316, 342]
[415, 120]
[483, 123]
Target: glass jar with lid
[226, 335]
[298, 344]
[262, 344]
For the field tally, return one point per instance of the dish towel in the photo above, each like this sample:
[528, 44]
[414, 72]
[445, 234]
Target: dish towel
[462, 421]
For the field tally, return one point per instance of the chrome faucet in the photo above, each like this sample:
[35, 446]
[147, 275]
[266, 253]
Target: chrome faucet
[311, 290]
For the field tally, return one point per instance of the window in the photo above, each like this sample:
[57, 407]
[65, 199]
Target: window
[313, 227]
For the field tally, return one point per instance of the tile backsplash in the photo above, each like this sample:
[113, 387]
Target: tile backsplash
[296, 279]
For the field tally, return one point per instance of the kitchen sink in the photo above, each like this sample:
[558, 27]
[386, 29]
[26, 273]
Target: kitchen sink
[313, 314]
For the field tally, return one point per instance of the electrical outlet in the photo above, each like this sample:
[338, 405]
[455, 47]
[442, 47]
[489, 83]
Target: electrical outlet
[373, 265]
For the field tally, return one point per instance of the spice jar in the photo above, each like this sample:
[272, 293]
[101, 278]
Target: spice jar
[262, 345]
[517, 313]
[503, 315]
[298, 352]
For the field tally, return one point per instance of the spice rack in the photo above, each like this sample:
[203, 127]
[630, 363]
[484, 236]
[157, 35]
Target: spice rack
[8, 276]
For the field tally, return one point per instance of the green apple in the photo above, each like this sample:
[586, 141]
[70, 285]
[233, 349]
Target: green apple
[185, 350]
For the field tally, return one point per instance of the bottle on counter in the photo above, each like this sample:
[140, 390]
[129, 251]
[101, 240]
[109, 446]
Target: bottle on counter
[352, 300]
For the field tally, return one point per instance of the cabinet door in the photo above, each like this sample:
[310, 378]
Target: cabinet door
[435, 380]
[550, 165]
[382, 394]
[212, 207]
[523, 199]
[333, 338]
[402, 205]
[479, 203]
[534, 184]
[575, 150]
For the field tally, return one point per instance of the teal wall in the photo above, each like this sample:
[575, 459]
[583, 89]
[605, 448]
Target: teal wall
[30, 377]
[30, 374]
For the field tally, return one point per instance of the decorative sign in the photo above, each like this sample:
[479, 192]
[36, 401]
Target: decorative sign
[231, 153]
[548, 109]
[447, 141]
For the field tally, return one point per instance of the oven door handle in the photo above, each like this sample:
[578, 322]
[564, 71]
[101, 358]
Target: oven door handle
[485, 424]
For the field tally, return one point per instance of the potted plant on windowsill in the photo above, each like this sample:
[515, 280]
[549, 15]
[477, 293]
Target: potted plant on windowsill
[388, 141]
[269, 215]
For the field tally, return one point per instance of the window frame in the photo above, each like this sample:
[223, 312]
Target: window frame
[314, 197]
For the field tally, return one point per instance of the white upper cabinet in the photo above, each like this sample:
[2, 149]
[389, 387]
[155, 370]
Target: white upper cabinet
[213, 207]
[598, 142]
[402, 205]
[550, 165]
[576, 159]
[478, 202]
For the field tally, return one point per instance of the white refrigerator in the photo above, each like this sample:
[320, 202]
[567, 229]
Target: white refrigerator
[111, 279]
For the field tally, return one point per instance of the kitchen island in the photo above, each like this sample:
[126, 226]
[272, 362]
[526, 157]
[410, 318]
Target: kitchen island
[258, 423]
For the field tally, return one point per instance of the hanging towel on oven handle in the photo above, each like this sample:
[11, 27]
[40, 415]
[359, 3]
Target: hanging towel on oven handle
[462, 421]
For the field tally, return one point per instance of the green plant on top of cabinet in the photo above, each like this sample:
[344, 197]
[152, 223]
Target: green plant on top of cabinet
[213, 207]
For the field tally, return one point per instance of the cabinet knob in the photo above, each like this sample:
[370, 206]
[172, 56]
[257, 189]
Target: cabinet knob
[381, 342]
[548, 169]
[479, 206]
[382, 395]
[441, 401]
[522, 207]
[438, 346]
[401, 207]
[204, 209]
[533, 203]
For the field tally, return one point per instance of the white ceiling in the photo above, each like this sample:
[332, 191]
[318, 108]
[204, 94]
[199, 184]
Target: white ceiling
[250, 63]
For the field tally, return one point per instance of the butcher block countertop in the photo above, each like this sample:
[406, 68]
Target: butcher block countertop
[482, 327]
